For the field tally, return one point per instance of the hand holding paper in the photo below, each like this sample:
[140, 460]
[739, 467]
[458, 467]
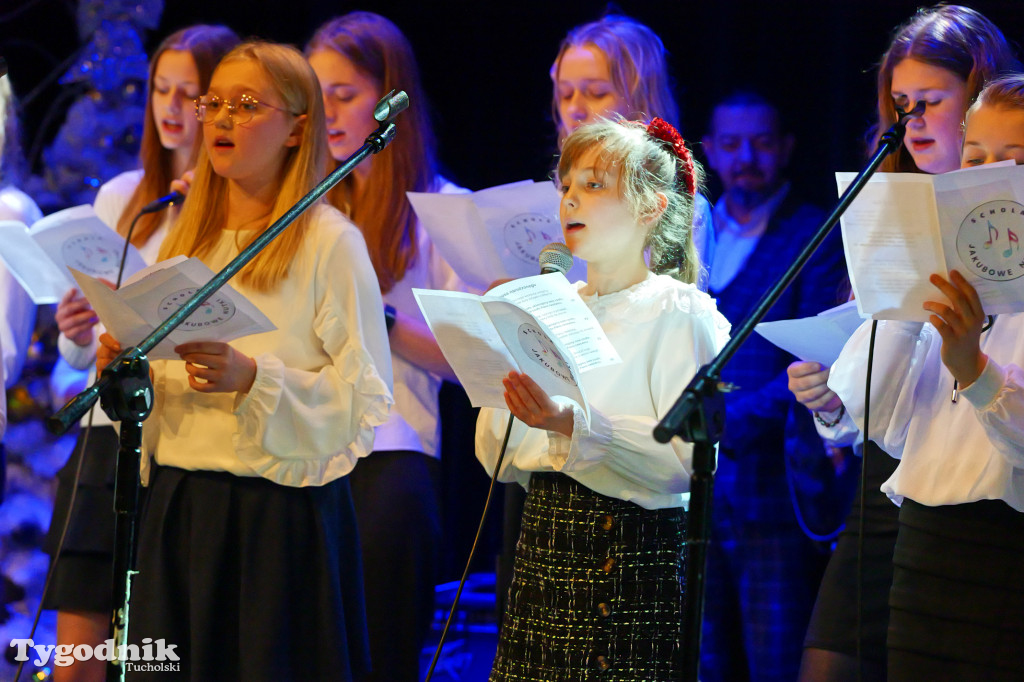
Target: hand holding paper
[216, 367]
[959, 325]
[535, 325]
[532, 406]
[808, 381]
[905, 227]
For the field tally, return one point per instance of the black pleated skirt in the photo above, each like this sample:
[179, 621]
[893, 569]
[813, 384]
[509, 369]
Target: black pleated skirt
[957, 599]
[834, 622]
[249, 579]
[82, 575]
[597, 589]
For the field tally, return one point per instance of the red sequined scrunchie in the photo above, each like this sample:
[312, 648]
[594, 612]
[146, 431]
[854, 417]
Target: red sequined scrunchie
[661, 129]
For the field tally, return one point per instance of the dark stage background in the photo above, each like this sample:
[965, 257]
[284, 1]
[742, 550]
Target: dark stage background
[485, 67]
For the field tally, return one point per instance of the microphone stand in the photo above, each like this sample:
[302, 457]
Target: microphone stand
[698, 415]
[126, 391]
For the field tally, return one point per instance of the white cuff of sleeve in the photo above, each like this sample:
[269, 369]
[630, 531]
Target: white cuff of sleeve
[983, 391]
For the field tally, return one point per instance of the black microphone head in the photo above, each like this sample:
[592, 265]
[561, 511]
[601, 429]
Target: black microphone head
[3, 67]
[163, 202]
[555, 257]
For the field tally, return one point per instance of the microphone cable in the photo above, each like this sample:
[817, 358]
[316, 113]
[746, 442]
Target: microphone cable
[861, 503]
[472, 551]
[555, 257]
[81, 453]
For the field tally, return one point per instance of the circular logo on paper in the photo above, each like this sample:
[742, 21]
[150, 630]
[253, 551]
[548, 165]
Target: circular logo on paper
[539, 347]
[528, 233]
[92, 254]
[988, 241]
[215, 310]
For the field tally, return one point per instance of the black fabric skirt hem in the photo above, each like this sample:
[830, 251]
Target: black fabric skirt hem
[250, 579]
[957, 600]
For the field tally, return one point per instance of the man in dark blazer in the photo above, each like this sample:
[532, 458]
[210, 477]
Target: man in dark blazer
[763, 570]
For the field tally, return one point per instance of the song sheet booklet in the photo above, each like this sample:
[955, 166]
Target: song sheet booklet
[536, 325]
[903, 227]
[494, 233]
[153, 294]
[40, 257]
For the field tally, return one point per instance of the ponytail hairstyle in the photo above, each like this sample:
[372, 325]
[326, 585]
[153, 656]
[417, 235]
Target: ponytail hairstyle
[379, 50]
[206, 44]
[951, 37]
[650, 160]
[202, 217]
[638, 63]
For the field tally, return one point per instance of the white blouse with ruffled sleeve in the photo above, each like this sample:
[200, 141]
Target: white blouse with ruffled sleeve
[664, 331]
[950, 452]
[323, 377]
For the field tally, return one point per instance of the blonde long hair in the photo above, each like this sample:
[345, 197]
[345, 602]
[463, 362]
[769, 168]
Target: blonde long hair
[638, 63]
[204, 214]
[206, 44]
[379, 50]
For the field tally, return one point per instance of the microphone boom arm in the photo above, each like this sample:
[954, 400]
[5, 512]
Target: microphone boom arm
[392, 105]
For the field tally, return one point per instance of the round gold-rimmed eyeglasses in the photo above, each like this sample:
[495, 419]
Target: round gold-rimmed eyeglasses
[241, 110]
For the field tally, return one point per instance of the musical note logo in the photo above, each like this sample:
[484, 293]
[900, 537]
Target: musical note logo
[526, 233]
[1011, 239]
[991, 237]
[988, 241]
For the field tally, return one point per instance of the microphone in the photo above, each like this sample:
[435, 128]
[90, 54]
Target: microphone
[555, 257]
[3, 67]
[162, 203]
[390, 106]
[916, 112]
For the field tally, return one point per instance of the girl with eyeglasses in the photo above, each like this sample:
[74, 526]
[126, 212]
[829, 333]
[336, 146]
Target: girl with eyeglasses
[248, 553]
[179, 71]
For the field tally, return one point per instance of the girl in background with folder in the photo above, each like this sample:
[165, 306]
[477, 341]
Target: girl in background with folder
[960, 48]
[618, 66]
[358, 58]
[248, 555]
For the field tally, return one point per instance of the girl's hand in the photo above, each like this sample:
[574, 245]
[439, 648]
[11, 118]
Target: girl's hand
[75, 318]
[532, 406]
[184, 183]
[107, 351]
[959, 326]
[808, 381]
[216, 367]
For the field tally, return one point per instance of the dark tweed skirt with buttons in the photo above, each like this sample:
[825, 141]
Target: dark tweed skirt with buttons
[597, 589]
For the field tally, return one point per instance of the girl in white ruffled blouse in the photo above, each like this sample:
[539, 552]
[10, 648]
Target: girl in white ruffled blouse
[248, 554]
[598, 577]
